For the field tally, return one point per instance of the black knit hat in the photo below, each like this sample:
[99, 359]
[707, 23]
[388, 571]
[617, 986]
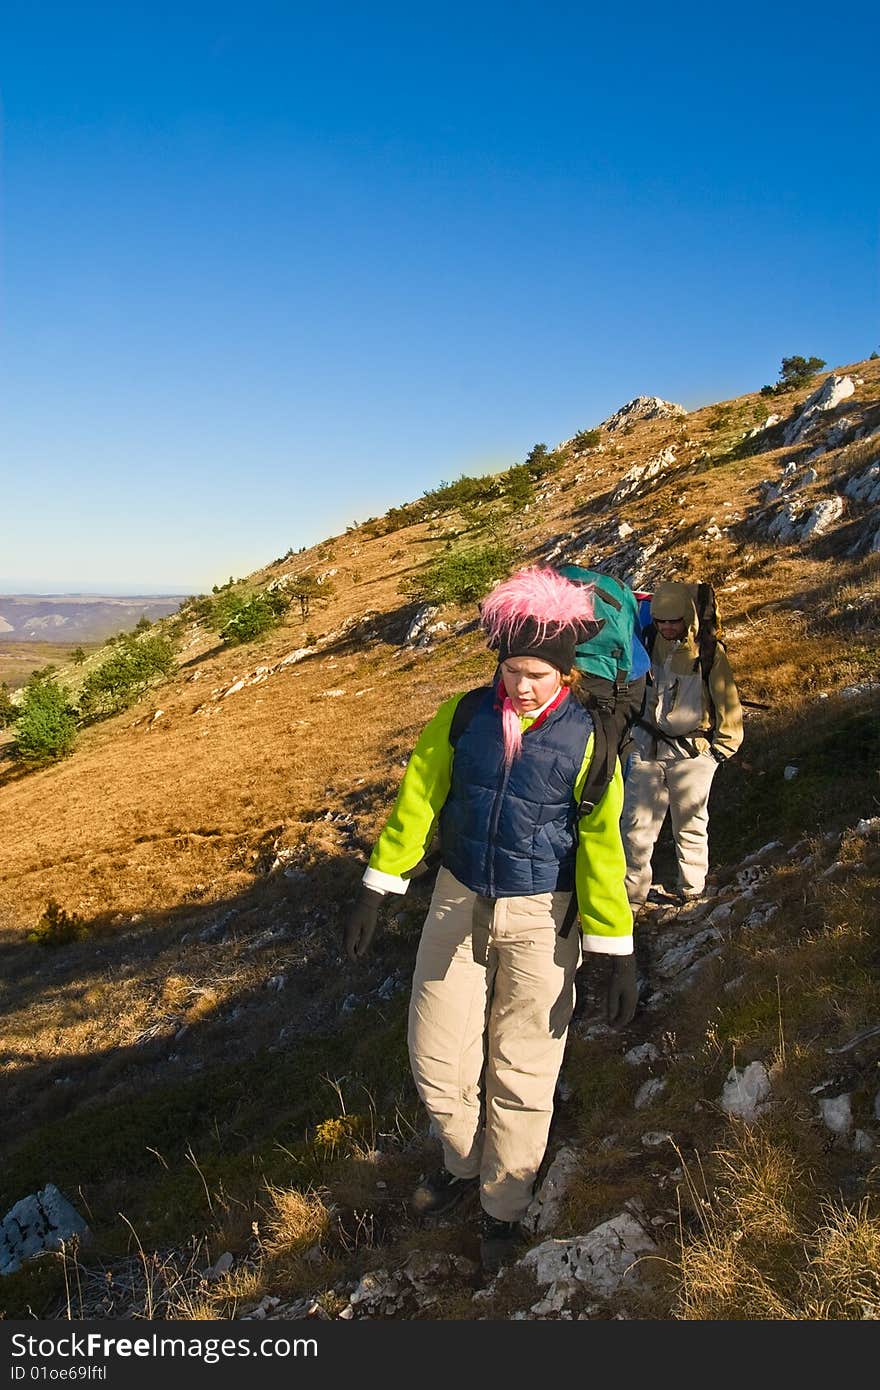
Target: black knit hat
[531, 639]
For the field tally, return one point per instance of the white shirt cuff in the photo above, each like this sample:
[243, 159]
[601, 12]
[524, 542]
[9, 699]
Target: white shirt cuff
[384, 883]
[608, 945]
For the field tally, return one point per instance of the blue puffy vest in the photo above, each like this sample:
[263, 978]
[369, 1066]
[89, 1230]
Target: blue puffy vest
[511, 832]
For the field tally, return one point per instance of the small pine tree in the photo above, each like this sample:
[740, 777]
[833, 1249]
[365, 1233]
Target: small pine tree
[796, 372]
[46, 724]
[57, 927]
[799, 371]
[519, 491]
[8, 710]
[78, 656]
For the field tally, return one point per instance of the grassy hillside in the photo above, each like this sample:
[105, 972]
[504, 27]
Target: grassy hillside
[200, 1071]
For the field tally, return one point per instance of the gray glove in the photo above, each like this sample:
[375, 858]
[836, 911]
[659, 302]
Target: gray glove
[361, 923]
[623, 991]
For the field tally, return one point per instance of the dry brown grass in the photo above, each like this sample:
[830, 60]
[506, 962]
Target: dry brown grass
[758, 1255]
[296, 1221]
[155, 832]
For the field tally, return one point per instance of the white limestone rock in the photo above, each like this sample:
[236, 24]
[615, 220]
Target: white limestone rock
[546, 1206]
[827, 397]
[417, 631]
[785, 526]
[865, 486]
[836, 1112]
[643, 408]
[822, 517]
[601, 1260]
[649, 1091]
[645, 1052]
[745, 1092]
[642, 473]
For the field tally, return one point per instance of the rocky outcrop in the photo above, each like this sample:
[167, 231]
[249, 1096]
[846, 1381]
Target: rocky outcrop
[828, 396]
[642, 408]
[865, 486]
[636, 479]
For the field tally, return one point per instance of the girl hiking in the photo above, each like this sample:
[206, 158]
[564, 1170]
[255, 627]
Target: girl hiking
[494, 983]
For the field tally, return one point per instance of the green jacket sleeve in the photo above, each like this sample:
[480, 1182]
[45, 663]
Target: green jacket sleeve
[420, 797]
[600, 867]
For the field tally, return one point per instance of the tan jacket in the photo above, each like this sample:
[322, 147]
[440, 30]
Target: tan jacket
[678, 702]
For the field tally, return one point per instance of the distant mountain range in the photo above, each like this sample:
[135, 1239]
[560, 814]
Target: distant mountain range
[77, 617]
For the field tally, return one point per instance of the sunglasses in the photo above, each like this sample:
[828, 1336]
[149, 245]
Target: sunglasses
[664, 622]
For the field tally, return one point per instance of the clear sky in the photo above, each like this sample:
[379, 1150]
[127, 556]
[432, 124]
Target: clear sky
[271, 268]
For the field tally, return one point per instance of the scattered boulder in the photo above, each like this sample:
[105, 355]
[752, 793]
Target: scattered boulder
[43, 1221]
[865, 486]
[836, 1112]
[745, 1092]
[649, 1091]
[601, 1260]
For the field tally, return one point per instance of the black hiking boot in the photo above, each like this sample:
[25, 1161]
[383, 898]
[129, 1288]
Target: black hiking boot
[440, 1192]
[498, 1240]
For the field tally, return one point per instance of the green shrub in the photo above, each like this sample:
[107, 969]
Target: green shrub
[242, 618]
[57, 927]
[462, 574]
[125, 676]
[46, 723]
[586, 439]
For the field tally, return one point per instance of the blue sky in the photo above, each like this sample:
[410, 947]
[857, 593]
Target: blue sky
[269, 269]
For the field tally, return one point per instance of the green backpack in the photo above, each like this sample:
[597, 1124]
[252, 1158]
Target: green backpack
[608, 654]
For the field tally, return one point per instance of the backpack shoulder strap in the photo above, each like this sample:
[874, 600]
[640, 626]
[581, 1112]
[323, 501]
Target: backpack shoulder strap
[601, 768]
[465, 711]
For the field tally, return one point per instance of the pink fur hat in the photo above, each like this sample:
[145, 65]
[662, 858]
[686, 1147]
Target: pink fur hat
[536, 612]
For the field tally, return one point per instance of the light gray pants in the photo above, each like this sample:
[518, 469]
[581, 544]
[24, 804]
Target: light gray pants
[488, 1020]
[680, 785]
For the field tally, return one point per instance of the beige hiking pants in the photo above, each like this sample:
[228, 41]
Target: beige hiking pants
[488, 1018]
[680, 785]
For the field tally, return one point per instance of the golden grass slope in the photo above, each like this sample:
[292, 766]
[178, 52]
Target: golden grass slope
[210, 837]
